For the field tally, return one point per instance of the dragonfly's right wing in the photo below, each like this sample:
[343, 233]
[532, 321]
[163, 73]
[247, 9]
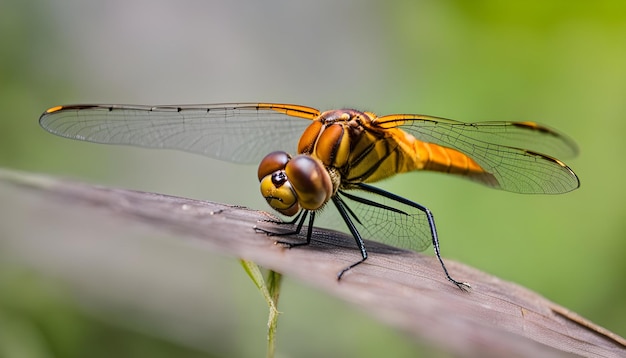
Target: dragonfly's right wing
[241, 133]
[517, 154]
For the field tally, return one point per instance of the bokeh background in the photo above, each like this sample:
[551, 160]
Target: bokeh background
[129, 293]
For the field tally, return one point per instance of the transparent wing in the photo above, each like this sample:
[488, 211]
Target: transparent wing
[241, 133]
[380, 219]
[387, 221]
[518, 154]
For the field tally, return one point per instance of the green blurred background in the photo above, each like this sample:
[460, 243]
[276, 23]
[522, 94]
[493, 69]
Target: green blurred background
[561, 63]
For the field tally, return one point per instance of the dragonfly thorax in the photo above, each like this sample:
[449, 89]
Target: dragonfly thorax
[331, 136]
[290, 184]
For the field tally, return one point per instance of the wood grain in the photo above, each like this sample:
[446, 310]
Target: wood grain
[404, 289]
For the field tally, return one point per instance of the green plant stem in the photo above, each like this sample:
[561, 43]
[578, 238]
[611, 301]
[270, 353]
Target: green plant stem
[270, 289]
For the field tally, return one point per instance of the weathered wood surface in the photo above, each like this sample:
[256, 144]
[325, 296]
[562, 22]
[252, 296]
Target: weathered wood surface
[404, 289]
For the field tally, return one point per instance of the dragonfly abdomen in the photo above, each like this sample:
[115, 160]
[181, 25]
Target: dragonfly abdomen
[433, 157]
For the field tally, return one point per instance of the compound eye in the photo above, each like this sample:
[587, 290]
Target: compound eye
[310, 180]
[272, 162]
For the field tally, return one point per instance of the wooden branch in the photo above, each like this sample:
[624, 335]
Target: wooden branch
[404, 289]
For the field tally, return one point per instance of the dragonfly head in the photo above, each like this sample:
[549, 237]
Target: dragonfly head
[290, 184]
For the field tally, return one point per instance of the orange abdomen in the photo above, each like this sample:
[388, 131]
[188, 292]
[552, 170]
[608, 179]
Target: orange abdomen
[442, 159]
[374, 158]
[434, 157]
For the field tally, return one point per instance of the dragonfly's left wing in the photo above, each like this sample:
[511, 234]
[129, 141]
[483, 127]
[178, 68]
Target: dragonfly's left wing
[517, 154]
[385, 220]
[242, 132]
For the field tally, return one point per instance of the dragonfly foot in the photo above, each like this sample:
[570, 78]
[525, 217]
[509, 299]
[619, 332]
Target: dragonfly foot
[340, 274]
[463, 286]
[283, 243]
[272, 233]
[289, 245]
[263, 231]
[275, 221]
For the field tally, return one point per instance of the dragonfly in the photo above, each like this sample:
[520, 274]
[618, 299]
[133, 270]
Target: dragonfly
[339, 153]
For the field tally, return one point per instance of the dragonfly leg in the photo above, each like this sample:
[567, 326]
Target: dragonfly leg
[302, 218]
[431, 223]
[433, 229]
[282, 222]
[343, 211]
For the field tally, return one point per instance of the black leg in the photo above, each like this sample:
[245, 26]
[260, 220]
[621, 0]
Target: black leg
[309, 232]
[431, 222]
[302, 216]
[281, 222]
[343, 211]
